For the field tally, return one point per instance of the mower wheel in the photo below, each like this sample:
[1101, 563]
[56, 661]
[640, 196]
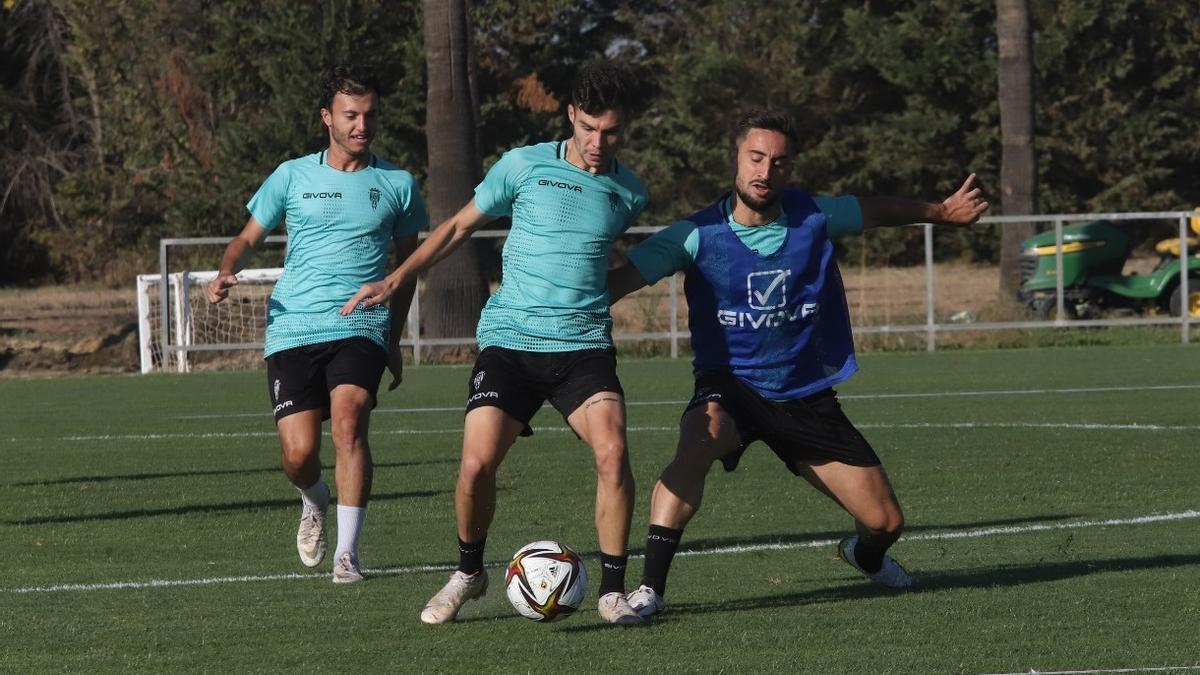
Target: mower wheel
[1193, 301]
[1046, 307]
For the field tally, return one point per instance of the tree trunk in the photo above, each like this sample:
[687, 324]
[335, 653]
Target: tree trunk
[455, 289]
[1018, 168]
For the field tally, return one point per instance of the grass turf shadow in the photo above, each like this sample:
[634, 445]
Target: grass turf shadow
[201, 508]
[207, 472]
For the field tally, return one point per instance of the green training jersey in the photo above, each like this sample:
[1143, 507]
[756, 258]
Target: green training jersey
[553, 295]
[340, 225]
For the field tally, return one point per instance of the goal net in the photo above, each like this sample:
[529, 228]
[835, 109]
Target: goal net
[188, 327]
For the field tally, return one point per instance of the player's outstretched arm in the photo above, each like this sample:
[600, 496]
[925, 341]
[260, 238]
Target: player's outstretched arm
[401, 301]
[441, 243]
[961, 208]
[234, 259]
[624, 280]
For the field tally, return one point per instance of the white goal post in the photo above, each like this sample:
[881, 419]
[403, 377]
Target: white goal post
[195, 325]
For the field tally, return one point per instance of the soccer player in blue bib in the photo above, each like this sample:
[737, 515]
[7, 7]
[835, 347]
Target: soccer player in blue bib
[771, 335]
[343, 208]
[546, 332]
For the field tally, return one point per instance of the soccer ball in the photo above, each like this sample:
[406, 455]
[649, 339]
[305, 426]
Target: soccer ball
[545, 581]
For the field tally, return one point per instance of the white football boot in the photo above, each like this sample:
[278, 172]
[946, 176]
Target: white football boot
[890, 573]
[310, 537]
[345, 569]
[614, 608]
[646, 602]
[444, 606]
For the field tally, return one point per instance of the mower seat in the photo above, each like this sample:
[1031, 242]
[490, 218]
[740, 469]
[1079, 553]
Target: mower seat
[1170, 247]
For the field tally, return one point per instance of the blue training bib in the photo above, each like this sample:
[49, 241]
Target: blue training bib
[778, 322]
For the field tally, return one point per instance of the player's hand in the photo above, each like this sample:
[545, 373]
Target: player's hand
[964, 206]
[368, 295]
[395, 365]
[218, 288]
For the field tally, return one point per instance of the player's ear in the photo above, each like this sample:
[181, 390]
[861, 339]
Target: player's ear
[571, 113]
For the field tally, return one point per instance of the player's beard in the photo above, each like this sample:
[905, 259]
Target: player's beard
[351, 146]
[755, 204]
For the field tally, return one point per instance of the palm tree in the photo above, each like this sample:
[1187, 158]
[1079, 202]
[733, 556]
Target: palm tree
[1018, 168]
[456, 288]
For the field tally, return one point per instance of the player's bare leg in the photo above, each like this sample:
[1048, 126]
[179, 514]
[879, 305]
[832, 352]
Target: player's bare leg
[487, 436]
[300, 440]
[350, 410]
[706, 433]
[600, 422]
[866, 494]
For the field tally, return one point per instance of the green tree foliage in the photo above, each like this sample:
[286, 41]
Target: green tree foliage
[178, 131]
[154, 118]
[1119, 105]
[42, 132]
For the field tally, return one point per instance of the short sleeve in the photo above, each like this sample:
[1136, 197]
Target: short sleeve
[495, 195]
[414, 216]
[638, 205]
[843, 215]
[269, 204]
[666, 252]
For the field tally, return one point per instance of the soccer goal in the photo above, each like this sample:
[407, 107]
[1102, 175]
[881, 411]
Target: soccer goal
[170, 333]
[179, 329]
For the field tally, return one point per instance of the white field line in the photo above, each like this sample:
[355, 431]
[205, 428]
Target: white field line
[1152, 669]
[720, 550]
[845, 397]
[1079, 426]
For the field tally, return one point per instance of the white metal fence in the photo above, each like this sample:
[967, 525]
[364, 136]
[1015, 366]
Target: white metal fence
[168, 343]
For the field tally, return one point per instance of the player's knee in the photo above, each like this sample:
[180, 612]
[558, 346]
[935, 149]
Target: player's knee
[350, 443]
[612, 462]
[691, 463]
[296, 458]
[684, 476]
[884, 522]
[475, 469]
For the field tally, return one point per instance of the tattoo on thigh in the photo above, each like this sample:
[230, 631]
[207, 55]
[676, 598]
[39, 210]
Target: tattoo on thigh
[613, 399]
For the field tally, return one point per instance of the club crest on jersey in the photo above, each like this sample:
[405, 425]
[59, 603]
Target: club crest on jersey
[478, 379]
[613, 201]
[374, 193]
[767, 290]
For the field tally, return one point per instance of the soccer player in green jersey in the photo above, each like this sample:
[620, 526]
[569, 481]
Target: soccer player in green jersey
[546, 332]
[343, 208]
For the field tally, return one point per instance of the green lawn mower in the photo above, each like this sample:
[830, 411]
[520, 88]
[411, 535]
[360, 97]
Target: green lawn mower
[1093, 258]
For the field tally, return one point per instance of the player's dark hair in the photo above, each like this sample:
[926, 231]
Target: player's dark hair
[351, 79]
[604, 85]
[770, 120]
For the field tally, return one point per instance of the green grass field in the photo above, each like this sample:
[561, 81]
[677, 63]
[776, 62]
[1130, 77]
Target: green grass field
[1052, 498]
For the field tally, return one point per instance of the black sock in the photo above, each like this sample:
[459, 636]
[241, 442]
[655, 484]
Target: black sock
[661, 543]
[470, 556]
[869, 558]
[612, 573]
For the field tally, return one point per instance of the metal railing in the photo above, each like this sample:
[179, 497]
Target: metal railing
[675, 334]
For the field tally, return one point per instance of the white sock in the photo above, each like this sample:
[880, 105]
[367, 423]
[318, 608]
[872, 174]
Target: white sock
[350, 521]
[316, 495]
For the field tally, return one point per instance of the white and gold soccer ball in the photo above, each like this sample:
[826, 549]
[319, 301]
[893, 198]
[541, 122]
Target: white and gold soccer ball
[545, 581]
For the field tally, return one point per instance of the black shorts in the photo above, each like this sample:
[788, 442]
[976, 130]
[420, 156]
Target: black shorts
[301, 378]
[808, 429]
[519, 382]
